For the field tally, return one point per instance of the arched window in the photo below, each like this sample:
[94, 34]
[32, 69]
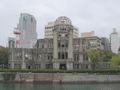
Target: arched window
[58, 55]
[63, 45]
[58, 44]
[63, 57]
[66, 55]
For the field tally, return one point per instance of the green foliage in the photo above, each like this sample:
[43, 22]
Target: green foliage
[97, 55]
[115, 62]
[94, 56]
[11, 73]
[4, 55]
[106, 56]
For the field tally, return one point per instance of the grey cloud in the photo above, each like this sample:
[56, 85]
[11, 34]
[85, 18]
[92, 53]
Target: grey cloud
[98, 15]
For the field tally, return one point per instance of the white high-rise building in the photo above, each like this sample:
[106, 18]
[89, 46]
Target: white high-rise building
[27, 28]
[114, 40]
[49, 30]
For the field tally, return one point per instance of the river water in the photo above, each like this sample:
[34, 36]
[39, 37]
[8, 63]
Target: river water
[23, 86]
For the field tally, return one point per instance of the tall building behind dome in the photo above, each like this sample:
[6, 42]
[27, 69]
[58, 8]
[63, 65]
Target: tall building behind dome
[49, 30]
[88, 34]
[27, 28]
[114, 40]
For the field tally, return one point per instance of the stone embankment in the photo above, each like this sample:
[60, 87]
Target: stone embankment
[58, 77]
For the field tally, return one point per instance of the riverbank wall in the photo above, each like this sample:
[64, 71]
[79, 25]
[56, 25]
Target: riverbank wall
[57, 77]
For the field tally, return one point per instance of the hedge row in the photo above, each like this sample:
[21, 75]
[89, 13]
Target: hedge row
[63, 71]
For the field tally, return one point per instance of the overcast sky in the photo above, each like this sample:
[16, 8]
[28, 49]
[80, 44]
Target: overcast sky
[98, 15]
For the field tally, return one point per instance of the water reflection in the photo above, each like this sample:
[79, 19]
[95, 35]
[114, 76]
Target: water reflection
[30, 86]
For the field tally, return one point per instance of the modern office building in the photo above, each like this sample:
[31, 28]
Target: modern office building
[88, 34]
[49, 30]
[27, 30]
[75, 32]
[114, 41]
[94, 42]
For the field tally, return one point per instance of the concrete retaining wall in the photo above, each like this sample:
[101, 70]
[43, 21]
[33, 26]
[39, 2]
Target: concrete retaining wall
[58, 77]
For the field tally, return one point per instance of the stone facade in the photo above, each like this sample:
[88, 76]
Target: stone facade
[60, 52]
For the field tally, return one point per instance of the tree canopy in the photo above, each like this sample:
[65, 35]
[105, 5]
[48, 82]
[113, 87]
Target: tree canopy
[93, 53]
[97, 55]
[4, 56]
[94, 56]
[115, 62]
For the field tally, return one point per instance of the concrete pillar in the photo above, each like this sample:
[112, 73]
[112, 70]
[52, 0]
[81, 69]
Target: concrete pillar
[70, 51]
[23, 59]
[56, 65]
[55, 51]
[70, 45]
[89, 65]
[12, 59]
[80, 66]
[43, 66]
[69, 66]
[12, 51]
[55, 43]
[81, 58]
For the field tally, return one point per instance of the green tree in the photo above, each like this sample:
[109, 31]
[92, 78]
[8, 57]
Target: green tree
[106, 56]
[94, 55]
[4, 55]
[115, 62]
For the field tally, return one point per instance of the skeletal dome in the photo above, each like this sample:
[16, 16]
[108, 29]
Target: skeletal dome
[63, 20]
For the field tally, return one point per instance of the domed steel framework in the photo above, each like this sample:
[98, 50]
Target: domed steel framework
[63, 20]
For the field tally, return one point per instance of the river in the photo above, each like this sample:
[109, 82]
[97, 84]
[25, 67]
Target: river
[28, 86]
